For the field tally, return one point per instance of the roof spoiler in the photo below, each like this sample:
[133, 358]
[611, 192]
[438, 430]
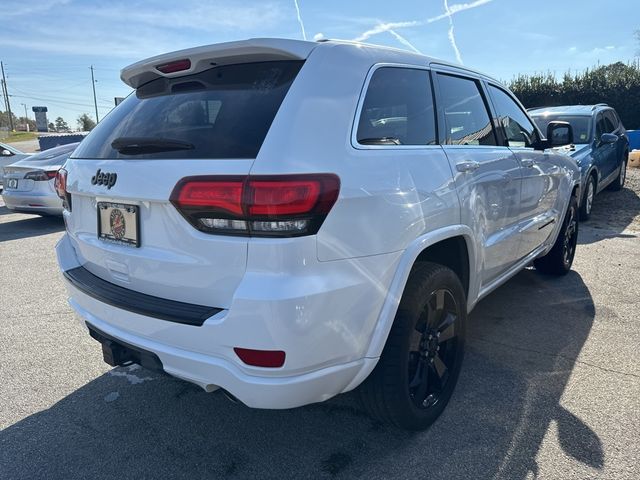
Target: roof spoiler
[194, 60]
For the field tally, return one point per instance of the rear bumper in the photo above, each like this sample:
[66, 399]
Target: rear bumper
[32, 203]
[325, 354]
[211, 372]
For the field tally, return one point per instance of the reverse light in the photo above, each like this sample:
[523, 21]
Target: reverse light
[257, 205]
[60, 185]
[175, 66]
[261, 358]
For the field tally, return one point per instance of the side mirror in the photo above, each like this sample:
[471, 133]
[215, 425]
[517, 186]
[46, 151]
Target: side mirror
[608, 138]
[6, 153]
[559, 134]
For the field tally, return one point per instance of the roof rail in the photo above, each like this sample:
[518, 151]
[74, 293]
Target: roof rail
[598, 105]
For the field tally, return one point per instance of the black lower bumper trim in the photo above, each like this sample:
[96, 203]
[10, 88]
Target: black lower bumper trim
[118, 353]
[141, 303]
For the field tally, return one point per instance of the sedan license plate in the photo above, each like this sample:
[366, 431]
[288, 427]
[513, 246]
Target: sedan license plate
[12, 183]
[119, 223]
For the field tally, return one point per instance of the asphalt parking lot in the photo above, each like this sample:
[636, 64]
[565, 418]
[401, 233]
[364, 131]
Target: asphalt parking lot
[550, 387]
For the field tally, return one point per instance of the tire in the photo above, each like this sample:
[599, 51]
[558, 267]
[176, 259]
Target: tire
[418, 369]
[618, 183]
[587, 200]
[559, 260]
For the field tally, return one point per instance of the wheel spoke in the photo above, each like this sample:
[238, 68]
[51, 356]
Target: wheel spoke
[439, 367]
[447, 328]
[420, 382]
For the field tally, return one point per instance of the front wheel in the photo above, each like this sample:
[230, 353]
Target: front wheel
[560, 258]
[419, 366]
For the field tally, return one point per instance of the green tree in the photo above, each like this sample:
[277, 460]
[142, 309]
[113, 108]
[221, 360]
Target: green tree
[4, 119]
[61, 125]
[52, 127]
[617, 84]
[85, 122]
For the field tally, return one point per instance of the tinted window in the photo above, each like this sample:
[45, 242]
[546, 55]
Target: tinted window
[466, 118]
[601, 126]
[581, 125]
[398, 109]
[518, 129]
[610, 121]
[223, 112]
[613, 118]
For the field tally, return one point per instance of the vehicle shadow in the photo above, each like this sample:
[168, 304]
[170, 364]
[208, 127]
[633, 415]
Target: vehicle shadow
[28, 227]
[523, 341]
[4, 210]
[612, 213]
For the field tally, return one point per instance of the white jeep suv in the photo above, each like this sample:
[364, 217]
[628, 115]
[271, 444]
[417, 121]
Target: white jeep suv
[290, 220]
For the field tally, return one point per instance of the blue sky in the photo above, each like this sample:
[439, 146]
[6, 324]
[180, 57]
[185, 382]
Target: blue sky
[48, 45]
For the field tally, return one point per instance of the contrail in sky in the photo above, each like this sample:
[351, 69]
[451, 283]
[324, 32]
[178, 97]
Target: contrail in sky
[452, 37]
[304, 34]
[403, 40]
[449, 12]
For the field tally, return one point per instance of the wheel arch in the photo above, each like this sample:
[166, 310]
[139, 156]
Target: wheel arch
[436, 247]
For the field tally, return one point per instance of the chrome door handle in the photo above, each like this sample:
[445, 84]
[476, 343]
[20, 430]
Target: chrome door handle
[527, 162]
[467, 166]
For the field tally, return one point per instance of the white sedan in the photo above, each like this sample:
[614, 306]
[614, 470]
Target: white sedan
[29, 183]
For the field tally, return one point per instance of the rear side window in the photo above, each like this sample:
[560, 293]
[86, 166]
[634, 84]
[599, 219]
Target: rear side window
[467, 120]
[611, 121]
[223, 112]
[518, 129]
[601, 126]
[398, 109]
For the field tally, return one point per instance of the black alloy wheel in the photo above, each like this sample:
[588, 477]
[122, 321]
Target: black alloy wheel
[432, 351]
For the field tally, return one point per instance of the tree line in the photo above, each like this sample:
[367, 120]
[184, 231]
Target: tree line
[617, 85]
[84, 123]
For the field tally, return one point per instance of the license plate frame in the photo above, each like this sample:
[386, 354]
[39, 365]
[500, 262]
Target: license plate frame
[121, 225]
[12, 183]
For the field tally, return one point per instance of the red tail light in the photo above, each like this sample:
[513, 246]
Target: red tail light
[40, 175]
[287, 205]
[177, 66]
[261, 358]
[60, 185]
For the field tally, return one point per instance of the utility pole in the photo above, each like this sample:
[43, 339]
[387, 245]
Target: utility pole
[6, 93]
[95, 102]
[26, 117]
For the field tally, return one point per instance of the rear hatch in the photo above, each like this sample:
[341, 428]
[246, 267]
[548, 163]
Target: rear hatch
[211, 121]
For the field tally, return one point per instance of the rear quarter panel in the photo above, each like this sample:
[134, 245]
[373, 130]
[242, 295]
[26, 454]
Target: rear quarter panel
[388, 196]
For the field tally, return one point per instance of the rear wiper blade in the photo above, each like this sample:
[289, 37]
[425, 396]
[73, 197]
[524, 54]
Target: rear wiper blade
[140, 145]
[380, 141]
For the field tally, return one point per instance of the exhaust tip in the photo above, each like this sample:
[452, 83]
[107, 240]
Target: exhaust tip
[230, 397]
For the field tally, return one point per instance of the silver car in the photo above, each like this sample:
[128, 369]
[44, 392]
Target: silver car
[9, 155]
[29, 183]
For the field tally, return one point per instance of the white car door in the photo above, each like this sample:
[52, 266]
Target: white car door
[540, 176]
[487, 176]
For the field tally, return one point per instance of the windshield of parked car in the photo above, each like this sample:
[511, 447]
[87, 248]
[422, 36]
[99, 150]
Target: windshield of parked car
[581, 125]
[223, 112]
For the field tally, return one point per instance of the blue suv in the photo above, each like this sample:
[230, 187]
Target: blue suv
[601, 146]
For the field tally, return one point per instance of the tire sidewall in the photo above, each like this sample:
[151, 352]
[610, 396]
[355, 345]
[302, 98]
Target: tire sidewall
[408, 315]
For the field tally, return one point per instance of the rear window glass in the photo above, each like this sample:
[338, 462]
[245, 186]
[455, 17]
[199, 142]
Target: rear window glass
[398, 109]
[223, 112]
